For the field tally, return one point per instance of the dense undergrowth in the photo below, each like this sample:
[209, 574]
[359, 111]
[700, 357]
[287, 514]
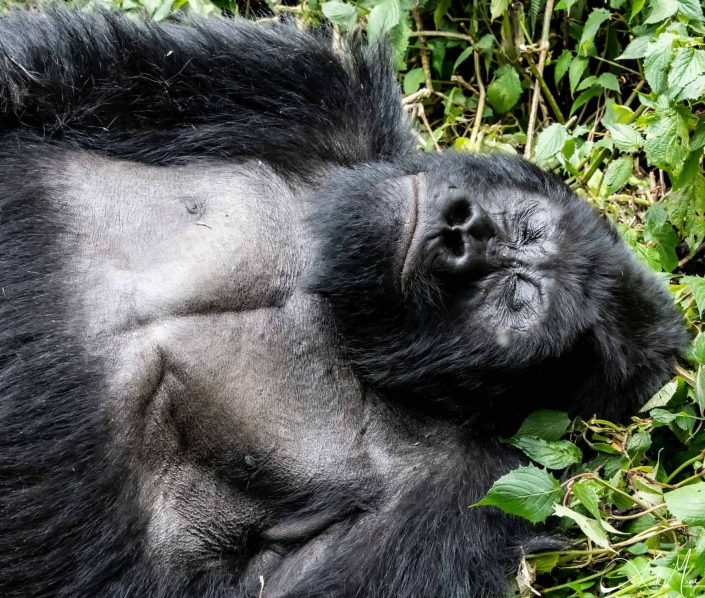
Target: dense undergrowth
[610, 96]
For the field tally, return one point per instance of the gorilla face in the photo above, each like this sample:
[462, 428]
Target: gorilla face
[253, 343]
[455, 274]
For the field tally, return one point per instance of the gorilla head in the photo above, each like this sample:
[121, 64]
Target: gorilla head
[252, 343]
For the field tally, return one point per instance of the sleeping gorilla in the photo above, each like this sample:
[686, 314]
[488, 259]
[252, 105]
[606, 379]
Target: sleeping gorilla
[252, 342]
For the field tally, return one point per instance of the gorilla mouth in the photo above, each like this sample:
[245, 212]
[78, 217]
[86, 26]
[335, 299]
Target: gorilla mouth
[411, 227]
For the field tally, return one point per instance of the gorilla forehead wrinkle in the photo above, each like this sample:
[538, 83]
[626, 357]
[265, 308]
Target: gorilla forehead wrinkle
[254, 343]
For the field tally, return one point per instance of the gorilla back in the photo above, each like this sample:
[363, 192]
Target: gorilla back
[251, 341]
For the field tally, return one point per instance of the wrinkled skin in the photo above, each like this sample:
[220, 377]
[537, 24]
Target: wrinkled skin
[262, 373]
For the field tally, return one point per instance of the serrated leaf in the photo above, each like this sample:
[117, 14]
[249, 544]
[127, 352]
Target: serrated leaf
[527, 491]
[662, 416]
[660, 10]
[586, 491]
[413, 80]
[594, 20]
[591, 528]
[625, 137]
[697, 286]
[687, 503]
[575, 72]
[698, 349]
[663, 146]
[659, 231]
[656, 66]
[340, 13]
[637, 48]
[617, 174]
[562, 63]
[498, 8]
[662, 396]
[693, 91]
[608, 81]
[544, 423]
[638, 444]
[688, 65]
[382, 18]
[692, 9]
[504, 92]
[557, 454]
[700, 389]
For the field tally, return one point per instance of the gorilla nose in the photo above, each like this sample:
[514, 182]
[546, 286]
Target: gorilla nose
[465, 229]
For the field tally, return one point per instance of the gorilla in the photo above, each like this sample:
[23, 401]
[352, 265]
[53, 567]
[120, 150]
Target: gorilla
[254, 344]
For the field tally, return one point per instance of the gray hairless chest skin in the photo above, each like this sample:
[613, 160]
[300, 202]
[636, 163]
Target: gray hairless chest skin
[254, 344]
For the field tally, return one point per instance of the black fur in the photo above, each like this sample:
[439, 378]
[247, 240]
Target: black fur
[234, 90]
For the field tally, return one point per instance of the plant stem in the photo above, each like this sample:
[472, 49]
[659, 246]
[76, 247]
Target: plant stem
[546, 30]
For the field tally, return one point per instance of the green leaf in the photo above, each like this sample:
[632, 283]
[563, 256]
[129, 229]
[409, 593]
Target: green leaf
[698, 349]
[617, 174]
[498, 8]
[591, 528]
[693, 91]
[586, 491]
[638, 444]
[596, 18]
[688, 65]
[608, 81]
[550, 142]
[700, 388]
[557, 454]
[662, 396]
[661, 9]
[413, 80]
[562, 64]
[637, 48]
[528, 492]
[464, 55]
[662, 416]
[441, 12]
[697, 286]
[693, 9]
[659, 231]
[656, 66]
[575, 72]
[382, 18]
[687, 503]
[504, 92]
[664, 145]
[340, 13]
[546, 424]
[625, 137]
[585, 97]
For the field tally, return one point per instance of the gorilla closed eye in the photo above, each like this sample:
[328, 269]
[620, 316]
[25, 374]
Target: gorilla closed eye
[298, 390]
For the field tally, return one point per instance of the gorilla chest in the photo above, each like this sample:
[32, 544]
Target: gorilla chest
[185, 283]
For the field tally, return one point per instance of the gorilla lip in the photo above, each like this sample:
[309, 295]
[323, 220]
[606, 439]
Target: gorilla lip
[411, 227]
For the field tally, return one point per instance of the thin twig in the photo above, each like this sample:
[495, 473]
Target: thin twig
[449, 34]
[422, 115]
[546, 30]
[425, 62]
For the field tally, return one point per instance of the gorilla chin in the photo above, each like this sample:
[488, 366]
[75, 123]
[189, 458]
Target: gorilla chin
[253, 343]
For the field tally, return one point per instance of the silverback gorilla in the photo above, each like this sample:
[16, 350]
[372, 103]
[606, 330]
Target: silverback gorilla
[253, 343]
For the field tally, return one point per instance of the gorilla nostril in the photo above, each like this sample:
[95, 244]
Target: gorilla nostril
[458, 213]
[453, 241]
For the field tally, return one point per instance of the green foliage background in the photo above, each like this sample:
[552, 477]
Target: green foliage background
[611, 96]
